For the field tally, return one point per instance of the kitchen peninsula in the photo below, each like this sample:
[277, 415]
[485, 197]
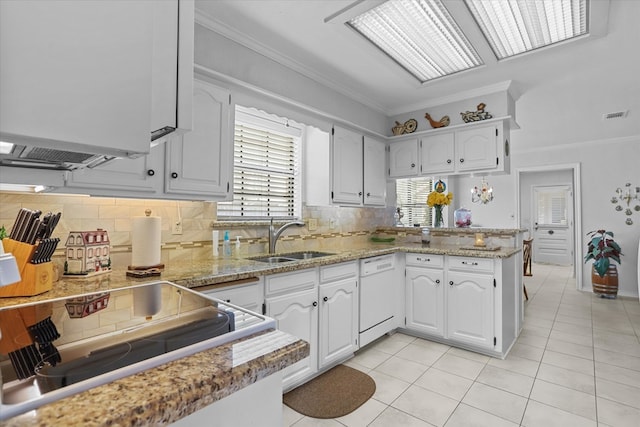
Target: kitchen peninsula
[165, 394]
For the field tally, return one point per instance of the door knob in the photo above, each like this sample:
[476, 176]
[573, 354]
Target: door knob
[151, 172]
[315, 303]
[174, 175]
[325, 299]
[437, 281]
[550, 231]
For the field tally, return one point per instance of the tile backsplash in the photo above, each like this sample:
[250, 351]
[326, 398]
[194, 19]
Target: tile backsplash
[79, 213]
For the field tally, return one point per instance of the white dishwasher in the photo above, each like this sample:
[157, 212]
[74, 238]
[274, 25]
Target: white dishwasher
[377, 293]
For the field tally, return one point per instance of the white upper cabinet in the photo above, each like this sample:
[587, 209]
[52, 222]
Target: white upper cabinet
[94, 76]
[200, 162]
[403, 158]
[463, 149]
[347, 167]
[375, 182]
[477, 148]
[437, 154]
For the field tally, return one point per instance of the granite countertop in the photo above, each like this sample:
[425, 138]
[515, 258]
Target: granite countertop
[165, 394]
[222, 271]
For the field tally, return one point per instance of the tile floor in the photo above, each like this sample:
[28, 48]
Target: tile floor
[576, 363]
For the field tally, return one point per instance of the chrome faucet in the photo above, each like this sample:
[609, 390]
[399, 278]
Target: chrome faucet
[274, 234]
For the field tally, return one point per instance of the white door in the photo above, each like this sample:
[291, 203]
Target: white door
[437, 155]
[425, 300]
[338, 320]
[477, 148]
[552, 224]
[470, 312]
[297, 315]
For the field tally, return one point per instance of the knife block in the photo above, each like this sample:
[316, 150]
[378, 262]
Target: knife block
[36, 278]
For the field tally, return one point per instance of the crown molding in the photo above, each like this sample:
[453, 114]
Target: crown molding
[255, 45]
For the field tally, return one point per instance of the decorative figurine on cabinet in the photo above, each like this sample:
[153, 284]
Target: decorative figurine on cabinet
[87, 253]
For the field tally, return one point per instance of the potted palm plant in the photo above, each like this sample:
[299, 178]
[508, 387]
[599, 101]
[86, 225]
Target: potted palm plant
[602, 249]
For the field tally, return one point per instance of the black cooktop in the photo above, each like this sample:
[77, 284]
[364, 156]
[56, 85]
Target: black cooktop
[55, 344]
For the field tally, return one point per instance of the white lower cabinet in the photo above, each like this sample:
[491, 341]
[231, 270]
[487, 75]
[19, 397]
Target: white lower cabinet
[338, 315]
[297, 314]
[454, 300]
[425, 300]
[319, 306]
[249, 296]
[470, 313]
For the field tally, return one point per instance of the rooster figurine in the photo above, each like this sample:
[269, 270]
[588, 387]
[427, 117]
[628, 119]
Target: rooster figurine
[443, 122]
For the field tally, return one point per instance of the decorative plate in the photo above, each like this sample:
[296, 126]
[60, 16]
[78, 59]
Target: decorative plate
[440, 186]
[410, 125]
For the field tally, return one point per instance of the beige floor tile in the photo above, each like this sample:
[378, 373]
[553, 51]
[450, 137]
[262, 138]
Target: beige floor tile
[527, 351]
[567, 361]
[621, 393]
[533, 340]
[420, 354]
[363, 415]
[481, 358]
[618, 374]
[459, 366]
[289, 416]
[388, 388]
[535, 330]
[516, 364]
[541, 415]
[573, 329]
[317, 422]
[447, 384]
[426, 405]
[617, 359]
[402, 369]
[616, 414]
[392, 344]
[468, 416]
[566, 378]
[559, 346]
[564, 398]
[370, 358]
[585, 340]
[393, 417]
[495, 401]
[506, 380]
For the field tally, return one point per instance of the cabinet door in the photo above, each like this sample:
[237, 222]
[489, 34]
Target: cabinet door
[200, 162]
[347, 167]
[338, 320]
[437, 154]
[127, 177]
[249, 297]
[470, 314]
[403, 158]
[375, 181]
[477, 148]
[425, 300]
[297, 314]
[78, 76]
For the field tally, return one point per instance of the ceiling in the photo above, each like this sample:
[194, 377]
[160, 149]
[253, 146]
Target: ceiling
[296, 34]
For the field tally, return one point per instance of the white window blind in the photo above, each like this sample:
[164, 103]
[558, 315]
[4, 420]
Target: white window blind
[411, 198]
[266, 173]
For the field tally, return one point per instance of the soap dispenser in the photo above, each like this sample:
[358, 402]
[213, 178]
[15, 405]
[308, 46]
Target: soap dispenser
[226, 245]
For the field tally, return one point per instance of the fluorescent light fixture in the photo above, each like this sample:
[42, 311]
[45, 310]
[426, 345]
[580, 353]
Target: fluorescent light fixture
[5, 147]
[420, 35]
[517, 26]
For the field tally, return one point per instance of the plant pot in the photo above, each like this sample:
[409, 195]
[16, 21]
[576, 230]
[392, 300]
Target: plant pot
[607, 286]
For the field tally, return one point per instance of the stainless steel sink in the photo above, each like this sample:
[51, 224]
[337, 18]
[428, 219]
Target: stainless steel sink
[306, 255]
[290, 257]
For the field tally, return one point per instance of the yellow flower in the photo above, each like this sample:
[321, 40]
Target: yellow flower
[436, 198]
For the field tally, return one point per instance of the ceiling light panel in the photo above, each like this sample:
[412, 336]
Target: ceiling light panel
[420, 35]
[518, 26]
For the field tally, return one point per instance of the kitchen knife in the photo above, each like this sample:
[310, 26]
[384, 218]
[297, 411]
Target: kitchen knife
[52, 224]
[24, 222]
[50, 248]
[33, 230]
[37, 254]
[26, 230]
[44, 224]
[17, 224]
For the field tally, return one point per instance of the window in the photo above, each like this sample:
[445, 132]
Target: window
[266, 176]
[411, 198]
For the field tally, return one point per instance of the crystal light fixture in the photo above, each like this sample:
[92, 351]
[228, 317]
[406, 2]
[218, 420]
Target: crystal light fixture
[420, 35]
[483, 195]
[517, 26]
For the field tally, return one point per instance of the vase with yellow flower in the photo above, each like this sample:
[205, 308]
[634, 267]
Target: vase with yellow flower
[437, 199]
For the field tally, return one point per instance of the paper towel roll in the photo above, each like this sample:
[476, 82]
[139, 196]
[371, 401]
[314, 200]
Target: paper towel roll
[215, 241]
[145, 241]
[147, 300]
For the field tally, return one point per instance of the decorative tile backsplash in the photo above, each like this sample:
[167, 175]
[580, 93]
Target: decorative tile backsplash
[335, 225]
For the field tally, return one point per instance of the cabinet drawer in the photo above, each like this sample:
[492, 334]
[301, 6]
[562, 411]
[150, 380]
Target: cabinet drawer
[471, 264]
[425, 260]
[244, 296]
[338, 271]
[297, 280]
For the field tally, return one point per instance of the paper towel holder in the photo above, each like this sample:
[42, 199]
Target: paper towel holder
[152, 268]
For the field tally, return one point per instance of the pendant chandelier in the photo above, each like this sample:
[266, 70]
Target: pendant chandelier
[483, 195]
